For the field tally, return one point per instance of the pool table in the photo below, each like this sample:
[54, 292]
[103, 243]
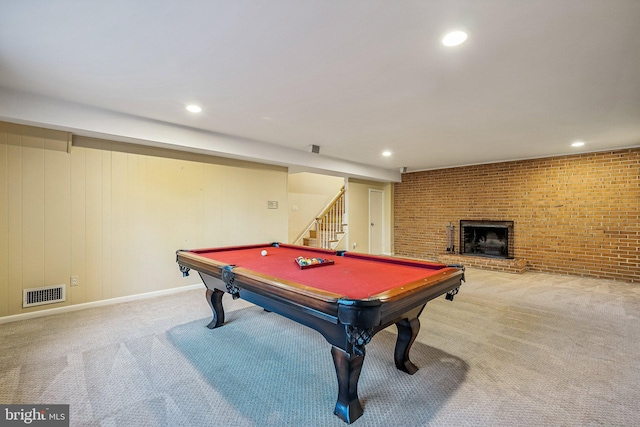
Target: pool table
[348, 298]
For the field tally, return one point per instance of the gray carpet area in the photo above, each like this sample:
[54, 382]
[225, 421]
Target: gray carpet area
[528, 350]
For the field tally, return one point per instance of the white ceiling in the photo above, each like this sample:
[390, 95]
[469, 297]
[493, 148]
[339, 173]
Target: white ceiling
[355, 77]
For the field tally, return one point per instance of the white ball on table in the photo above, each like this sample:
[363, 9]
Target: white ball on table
[264, 252]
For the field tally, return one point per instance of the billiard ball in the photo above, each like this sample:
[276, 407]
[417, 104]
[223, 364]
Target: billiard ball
[263, 253]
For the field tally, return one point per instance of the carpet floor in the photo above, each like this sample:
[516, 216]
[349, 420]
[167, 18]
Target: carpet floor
[528, 350]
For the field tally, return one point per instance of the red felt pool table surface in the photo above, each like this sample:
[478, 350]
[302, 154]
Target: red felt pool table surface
[354, 276]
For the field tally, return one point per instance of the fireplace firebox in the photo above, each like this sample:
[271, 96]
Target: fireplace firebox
[486, 238]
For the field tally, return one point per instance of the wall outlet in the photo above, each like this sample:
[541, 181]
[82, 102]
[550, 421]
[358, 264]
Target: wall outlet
[74, 280]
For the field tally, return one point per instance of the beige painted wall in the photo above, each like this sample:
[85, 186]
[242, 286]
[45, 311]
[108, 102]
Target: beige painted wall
[358, 217]
[114, 214]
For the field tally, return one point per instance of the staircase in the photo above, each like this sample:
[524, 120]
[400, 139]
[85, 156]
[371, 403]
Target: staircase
[328, 228]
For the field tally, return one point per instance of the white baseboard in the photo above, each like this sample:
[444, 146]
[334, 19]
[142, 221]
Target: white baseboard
[84, 306]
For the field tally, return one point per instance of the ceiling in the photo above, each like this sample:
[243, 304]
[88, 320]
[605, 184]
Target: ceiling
[355, 77]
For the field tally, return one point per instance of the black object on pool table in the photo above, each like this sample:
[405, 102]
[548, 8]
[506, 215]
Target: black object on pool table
[348, 303]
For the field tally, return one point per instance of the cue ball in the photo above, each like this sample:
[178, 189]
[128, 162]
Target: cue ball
[263, 253]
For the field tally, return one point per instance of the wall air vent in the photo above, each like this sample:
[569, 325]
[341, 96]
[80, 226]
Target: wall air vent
[47, 295]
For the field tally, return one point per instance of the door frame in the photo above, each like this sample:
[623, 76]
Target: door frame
[382, 237]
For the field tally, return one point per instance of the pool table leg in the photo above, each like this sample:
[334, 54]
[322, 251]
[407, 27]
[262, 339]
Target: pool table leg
[214, 298]
[407, 332]
[348, 367]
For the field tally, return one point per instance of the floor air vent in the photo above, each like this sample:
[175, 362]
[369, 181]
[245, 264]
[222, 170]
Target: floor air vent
[46, 295]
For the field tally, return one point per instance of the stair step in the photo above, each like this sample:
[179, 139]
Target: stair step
[313, 234]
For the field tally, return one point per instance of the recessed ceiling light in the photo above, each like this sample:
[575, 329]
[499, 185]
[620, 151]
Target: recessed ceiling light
[194, 108]
[577, 144]
[386, 153]
[454, 38]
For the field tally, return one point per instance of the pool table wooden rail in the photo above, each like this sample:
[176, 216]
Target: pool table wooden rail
[347, 324]
[422, 288]
[260, 283]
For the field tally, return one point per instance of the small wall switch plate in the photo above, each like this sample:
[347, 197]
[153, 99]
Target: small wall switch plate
[272, 204]
[74, 281]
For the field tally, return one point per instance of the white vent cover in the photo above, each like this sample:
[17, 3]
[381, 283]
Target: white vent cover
[46, 295]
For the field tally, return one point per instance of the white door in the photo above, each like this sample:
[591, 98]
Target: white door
[376, 211]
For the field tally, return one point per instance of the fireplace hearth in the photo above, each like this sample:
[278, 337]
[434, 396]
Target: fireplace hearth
[486, 238]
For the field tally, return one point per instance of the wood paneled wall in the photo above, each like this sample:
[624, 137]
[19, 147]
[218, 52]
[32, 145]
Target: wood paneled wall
[114, 214]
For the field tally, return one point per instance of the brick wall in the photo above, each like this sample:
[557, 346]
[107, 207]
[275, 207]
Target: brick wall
[576, 215]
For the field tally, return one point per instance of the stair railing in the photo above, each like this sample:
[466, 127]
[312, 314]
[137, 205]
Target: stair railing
[330, 222]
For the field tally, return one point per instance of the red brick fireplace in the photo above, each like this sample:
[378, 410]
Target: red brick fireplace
[486, 238]
[572, 214]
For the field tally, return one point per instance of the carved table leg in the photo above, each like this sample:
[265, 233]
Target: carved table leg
[407, 333]
[348, 367]
[214, 298]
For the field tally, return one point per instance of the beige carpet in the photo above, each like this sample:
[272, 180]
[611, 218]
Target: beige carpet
[526, 350]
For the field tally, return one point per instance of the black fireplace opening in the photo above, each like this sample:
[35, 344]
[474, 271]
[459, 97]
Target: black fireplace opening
[486, 238]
